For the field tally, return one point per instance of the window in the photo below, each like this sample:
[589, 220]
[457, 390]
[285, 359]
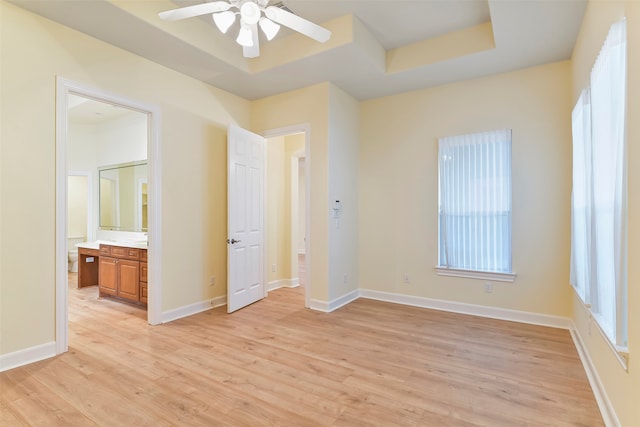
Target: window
[581, 197]
[475, 204]
[599, 214]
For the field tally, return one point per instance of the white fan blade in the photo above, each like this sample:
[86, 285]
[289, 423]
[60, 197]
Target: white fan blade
[195, 10]
[294, 22]
[253, 51]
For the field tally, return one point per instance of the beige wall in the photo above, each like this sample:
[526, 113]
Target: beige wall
[193, 154]
[622, 387]
[399, 186]
[344, 139]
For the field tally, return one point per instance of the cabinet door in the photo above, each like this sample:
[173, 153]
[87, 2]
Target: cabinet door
[143, 271]
[143, 292]
[129, 279]
[108, 275]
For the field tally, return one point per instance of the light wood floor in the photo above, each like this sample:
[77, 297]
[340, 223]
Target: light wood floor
[276, 363]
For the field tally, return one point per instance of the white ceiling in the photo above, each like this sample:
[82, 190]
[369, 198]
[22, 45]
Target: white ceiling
[437, 41]
[88, 111]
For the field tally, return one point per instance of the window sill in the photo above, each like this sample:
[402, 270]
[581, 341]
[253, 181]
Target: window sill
[619, 352]
[473, 274]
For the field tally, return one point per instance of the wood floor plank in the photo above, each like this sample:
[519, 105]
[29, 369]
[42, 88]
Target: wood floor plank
[8, 418]
[369, 363]
[32, 403]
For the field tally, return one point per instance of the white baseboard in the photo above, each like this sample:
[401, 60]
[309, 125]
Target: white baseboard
[329, 306]
[472, 309]
[28, 355]
[606, 408]
[191, 309]
[283, 283]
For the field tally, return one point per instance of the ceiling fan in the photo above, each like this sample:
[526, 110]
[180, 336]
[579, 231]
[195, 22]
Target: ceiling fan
[253, 13]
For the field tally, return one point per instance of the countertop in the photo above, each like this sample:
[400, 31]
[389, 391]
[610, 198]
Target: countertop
[126, 244]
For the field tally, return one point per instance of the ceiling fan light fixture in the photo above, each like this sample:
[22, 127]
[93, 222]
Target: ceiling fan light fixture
[269, 28]
[253, 14]
[250, 13]
[224, 20]
[245, 37]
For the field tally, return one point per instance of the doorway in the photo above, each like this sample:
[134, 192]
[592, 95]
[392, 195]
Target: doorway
[68, 93]
[287, 210]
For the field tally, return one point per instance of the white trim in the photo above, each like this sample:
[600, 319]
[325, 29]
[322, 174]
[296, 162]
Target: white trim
[294, 193]
[195, 308]
[474, 274]
[471, 309]
[606, 408]
[334, 304]
[154, 307]
[283, 283]
[154, 217]
[61, 265]
[27, 356]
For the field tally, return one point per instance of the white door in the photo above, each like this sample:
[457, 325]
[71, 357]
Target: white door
[245, 220]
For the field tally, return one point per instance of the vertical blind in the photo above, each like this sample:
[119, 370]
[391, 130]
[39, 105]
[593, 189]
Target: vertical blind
[581, 197]
[475, 201]
[599, 211]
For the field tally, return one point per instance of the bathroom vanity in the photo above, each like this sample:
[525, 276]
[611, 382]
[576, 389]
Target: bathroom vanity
[119, 271]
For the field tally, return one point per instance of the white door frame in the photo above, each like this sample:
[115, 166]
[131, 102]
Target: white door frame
[288, 130]
[294, 168]
[64, 87]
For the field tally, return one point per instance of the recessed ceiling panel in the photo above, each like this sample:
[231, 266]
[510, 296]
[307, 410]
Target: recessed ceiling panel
[397, 23]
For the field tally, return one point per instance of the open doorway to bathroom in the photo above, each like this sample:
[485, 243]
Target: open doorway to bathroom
[106, 144]
[286, 212]
[104, 137]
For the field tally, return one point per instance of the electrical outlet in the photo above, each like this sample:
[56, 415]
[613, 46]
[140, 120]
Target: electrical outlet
[488, 287]
[345, 280]
[212, 281]
[405, 278]
[273, 268]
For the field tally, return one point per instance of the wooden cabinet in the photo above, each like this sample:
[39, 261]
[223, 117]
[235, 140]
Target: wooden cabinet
[87, 267]
[121, 273]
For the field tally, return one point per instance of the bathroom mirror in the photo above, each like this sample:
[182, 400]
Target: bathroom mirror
[123, 197]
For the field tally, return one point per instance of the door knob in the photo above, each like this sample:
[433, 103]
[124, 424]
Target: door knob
[233, 241]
